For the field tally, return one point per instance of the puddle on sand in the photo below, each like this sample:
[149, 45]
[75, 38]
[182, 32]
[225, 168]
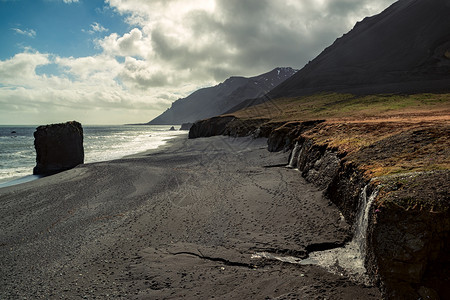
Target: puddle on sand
[286, 259]
[345, 260]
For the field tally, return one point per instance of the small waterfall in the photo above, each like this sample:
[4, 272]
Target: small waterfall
[362, 219]
[294, 155]
[350, 257]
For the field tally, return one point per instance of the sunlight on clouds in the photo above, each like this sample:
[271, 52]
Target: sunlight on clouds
[84, 84]
[139, 74]
[99, 67]
[130, 44]
[232, 37]
[173, 48]
[21, 68]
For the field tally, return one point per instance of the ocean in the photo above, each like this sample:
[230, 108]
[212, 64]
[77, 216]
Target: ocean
[101, 143]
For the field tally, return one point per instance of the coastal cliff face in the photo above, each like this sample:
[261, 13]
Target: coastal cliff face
[209, 127]
[59, 147]
[407, 250]
[408, 235]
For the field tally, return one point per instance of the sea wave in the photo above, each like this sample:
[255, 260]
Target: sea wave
[101, 143]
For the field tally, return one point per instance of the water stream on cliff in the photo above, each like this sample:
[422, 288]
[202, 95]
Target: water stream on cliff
[347, 260]
[294, 156]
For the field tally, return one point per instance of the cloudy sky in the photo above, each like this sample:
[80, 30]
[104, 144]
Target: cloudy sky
[126, 61]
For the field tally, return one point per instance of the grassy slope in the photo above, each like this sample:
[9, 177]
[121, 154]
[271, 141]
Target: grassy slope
[348, 107]
[395, 135]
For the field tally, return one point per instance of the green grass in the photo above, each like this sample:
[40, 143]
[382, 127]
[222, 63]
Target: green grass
[333, 105]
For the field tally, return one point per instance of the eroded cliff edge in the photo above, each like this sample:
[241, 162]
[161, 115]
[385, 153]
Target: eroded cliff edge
[407, 245]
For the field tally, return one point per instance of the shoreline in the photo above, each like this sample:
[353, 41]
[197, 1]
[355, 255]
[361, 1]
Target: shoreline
[32, 177]
[183, 222]
[20, 180]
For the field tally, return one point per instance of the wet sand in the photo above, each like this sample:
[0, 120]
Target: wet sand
[182, 221]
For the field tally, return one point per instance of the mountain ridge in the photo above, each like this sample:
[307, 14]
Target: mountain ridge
[375, 58]
[210, 101]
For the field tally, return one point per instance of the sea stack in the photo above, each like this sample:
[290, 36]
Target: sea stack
[59, 147]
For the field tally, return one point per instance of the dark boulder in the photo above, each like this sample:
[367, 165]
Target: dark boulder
[172, 128]
[59, 147]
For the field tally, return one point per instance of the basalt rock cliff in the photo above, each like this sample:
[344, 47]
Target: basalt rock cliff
[408, 235]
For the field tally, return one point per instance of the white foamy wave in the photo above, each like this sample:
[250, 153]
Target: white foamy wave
[10, 174]
[122, 144]
[101, 143]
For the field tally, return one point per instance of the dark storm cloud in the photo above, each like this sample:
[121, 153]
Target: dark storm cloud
[248, 37]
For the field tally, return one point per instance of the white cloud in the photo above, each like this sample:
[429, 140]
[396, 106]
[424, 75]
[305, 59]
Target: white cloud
[219, 38]
[27, 32]
[130, 44]
[21, 68]
[70, 1]
[86, 84]
[174, 48]
[96, 28]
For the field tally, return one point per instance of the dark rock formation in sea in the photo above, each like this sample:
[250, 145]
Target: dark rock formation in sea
[59, 147]
[213, 101]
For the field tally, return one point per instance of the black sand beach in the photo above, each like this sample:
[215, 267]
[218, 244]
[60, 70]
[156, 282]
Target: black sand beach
[182, 221]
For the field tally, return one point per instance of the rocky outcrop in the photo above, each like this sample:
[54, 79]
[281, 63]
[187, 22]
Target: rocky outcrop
[282, 137]
[210, 127]
[409, 241]
[59, 147]
[408, 247]
[323, 166]
[323, 171]
[409, 252]
[238, 127]
[186, 126]
[231, 126]
[408, 238]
